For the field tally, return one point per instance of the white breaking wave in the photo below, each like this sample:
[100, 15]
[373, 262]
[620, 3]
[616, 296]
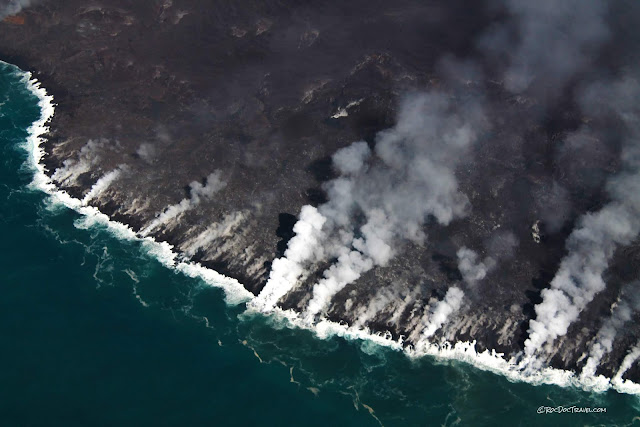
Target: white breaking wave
[235, 293]
[487, 360]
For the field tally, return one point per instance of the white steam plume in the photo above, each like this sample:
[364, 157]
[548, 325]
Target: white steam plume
[546, 41]
[12, 7]
[147, 152]
[621, 313]
[579, 278]
[103, 183]
[410, 179]
[499, 246]
[628, 361]
[348, 269]
[197, 192]
[88, 157]
[381, 301]
[592, 244]
[304, 247]
[471, 268]
[442, 311]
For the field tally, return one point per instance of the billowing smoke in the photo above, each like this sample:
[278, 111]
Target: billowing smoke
[410, 179]
[592, 244]
[303, 248]
[351, 160]
[628, 361]
[348, 269]
[471, 268]
[88, 157]
[499, 246]
[146, 152]
[383, 197]
[380, 198]
[545, 42]
[212, 185]
[197, 192]
[103, 183]
[382, 300]
[621, 312]
[12, 7]
[442, 311]
[547, 45]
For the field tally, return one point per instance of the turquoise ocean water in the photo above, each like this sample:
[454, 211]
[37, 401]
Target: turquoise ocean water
[96, 332]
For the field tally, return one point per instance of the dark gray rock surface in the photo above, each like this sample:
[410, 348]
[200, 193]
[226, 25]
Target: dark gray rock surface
[168, 92]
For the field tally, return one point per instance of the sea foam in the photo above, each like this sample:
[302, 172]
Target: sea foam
[235, 293]
[513, 369]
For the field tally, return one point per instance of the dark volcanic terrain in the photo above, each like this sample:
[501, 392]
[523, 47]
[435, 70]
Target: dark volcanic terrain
[210, 124]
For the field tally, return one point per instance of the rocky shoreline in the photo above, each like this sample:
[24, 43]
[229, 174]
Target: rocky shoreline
[167, 95]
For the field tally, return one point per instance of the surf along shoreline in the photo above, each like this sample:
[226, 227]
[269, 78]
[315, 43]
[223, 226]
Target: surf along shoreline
[38, 145]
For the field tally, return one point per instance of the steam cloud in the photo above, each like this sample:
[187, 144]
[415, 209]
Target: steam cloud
[305, 246]
[471, 269]
[12, 7]
[384, 197]
[197, 192]
[499, 246]
[621, 313]
[592, 244]
[555, 43]
[442, 311]
[146, 152]
[88, 157]
[103, 183]
[546, 42]
[408, 179]
[627, 362]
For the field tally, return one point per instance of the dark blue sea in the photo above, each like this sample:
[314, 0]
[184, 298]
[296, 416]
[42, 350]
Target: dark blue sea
[95, 331]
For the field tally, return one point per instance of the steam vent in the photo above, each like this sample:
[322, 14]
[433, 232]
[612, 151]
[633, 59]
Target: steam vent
[434, 172]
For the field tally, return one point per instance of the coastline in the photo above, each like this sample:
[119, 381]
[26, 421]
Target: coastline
[235, 293]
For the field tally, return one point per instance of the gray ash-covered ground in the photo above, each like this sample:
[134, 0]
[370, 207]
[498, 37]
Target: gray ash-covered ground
[164, 94]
